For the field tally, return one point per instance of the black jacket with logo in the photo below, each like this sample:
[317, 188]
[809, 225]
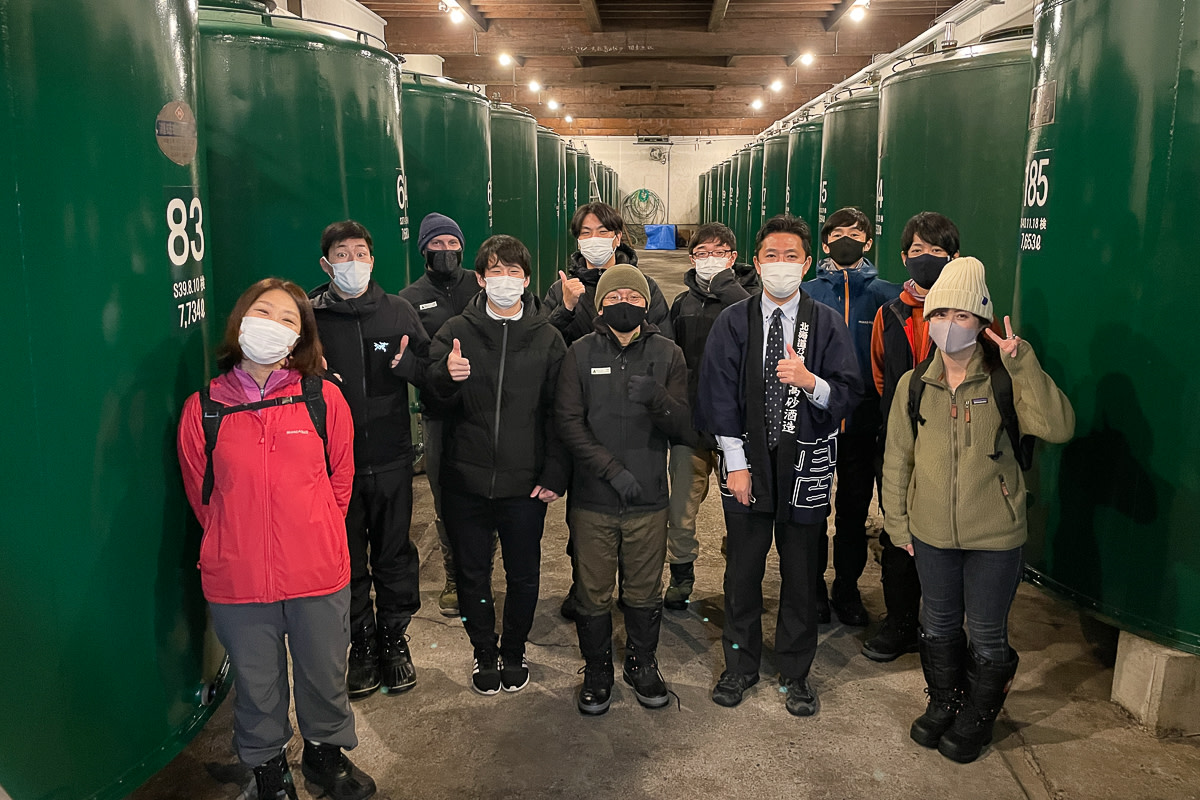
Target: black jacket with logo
[579, 322]
[606, 432]
[501, 439]
[360, 337]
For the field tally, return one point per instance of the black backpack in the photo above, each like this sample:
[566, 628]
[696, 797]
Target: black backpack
[213, 413]
[1002, 390]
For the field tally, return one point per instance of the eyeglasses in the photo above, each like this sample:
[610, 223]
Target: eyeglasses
[714, 254]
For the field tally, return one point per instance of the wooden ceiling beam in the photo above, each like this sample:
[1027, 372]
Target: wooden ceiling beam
[478, 21]
[829, 71]
[620, 126]
[716, 18]
[835, 18]
[592, 14]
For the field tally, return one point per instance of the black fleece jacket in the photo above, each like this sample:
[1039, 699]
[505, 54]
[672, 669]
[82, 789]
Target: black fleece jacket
[501, 439]
[606, 432]
[360, 337]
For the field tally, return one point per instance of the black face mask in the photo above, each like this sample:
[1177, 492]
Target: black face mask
[445, 263]
[624, 317]
[926, 268]
[845, 251]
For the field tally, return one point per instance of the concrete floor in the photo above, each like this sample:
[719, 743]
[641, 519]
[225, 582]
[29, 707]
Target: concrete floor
[1058, 736]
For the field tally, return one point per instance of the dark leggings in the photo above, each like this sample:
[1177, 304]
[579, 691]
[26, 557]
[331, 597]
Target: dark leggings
[977, 584]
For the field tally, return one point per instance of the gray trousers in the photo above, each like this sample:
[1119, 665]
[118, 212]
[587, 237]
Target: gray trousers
[689, 472]
[318, 636]
[433, 471]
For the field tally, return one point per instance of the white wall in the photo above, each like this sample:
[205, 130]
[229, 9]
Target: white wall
[677, 182]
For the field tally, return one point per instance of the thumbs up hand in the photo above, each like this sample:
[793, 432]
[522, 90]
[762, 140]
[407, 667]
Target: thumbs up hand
[572, 289]
[400, 353]
[791, 370]
[458, 367]
[643, 388]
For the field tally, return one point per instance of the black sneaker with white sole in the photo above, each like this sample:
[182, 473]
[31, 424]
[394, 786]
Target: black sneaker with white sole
[485, 677]
[514, 673]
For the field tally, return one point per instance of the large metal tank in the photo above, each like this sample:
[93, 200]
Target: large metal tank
[927, 165]
[1106, 271]
[573, 203]
[741, 201]
[804, 171]
[849, 157]
[564, 235]
[585, 178]
[447, 146]
[551, 226]
[514, 137]
[775, 175]
[722, 198]
[754, 196]
[106, 228]
[702, 198]
[714, 191]
[301, 124]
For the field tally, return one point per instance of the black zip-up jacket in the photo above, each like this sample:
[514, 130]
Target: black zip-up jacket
[694, 311]
[501, 439]
[360, 337]
[576, 324]
[606, 432]
[436, 299]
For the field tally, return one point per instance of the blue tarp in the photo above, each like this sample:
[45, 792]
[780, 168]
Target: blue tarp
[660, 237]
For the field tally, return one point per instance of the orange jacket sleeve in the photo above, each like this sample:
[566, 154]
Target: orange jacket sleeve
[877, 350]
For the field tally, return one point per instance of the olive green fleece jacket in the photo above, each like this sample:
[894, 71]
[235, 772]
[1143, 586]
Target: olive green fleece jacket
[958, 485]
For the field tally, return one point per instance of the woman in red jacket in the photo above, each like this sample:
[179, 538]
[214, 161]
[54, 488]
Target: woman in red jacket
[274, 560]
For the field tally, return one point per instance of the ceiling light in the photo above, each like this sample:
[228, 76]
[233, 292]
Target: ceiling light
[534, 86]
[757, 104]
[776, 85]
[552, 105]
[858, 13]
[456, 16]
[505, 59]
[568, 118]
[806, 59]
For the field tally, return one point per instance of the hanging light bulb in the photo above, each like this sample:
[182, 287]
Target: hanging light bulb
[552, 105]
[456, 16]
[858, 13]
[534, 86]
[776, 85]
[568, 118]
[757, 104]
[806, 59]
[505, 59]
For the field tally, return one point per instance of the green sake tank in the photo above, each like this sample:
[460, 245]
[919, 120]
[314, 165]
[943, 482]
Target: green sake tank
[514, 137]
[572, 164]
[564, 235]
[754, 196]
[551, 226]
[775, 177]
[714, 190]
[925, 166]
[584, 187]
[702, 196]
[738, 210]
[723, 192]
[804, 171]
[447, 141]
[1107, 240]
[302, 128]
[849, 158]
[109, 667]
[602, 180]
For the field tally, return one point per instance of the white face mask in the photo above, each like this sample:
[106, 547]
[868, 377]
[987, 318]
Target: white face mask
[265, 341]
[597, 250]
[504, 291]
[782, 278]
[351, 277]
[950, 337]
[707, 268]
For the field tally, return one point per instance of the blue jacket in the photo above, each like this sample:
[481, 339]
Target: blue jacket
[867, 293]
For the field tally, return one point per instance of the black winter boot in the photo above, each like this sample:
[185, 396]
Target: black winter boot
[395, 662]
[987, 687]
[943, 660]
[274, 780]
[683, 579]
[902, 596]
[329, 768]
[641, 666]
[595, 642]
[362, 677]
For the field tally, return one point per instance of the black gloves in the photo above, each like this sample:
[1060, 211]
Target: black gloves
[627, 486]
[644, 389]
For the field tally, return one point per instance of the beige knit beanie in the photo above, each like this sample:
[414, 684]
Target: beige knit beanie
[961, 286]
[622, 276]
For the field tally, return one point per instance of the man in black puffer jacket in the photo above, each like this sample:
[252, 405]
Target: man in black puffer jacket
[493, 376]
[441, 293]
[715, 281]
[622, 398]
[374, 347]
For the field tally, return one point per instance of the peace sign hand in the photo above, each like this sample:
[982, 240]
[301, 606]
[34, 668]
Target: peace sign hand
[1009, 344]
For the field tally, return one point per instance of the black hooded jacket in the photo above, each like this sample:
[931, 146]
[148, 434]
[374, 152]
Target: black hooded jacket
[437, 298]
[500, 434]
[360, 337]
[694, 311]
[577, 323]
[606, 432]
